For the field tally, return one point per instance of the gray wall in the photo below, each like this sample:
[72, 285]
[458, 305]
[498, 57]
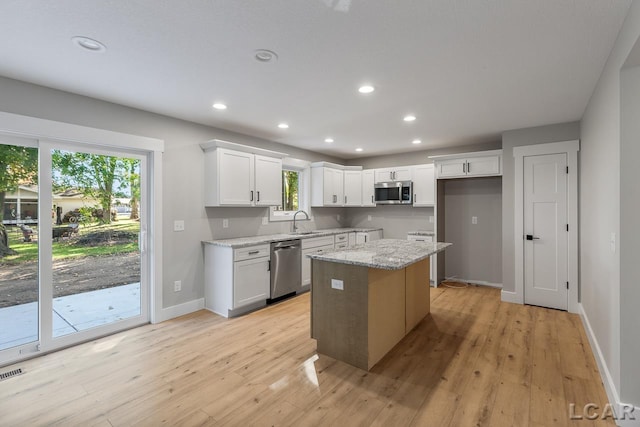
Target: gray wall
[629, 243]
[183, 175]
[396, 221]
[608, 301]
[511, 139]
[476, 253]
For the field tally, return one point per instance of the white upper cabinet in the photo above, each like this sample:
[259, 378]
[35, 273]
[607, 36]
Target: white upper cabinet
[424, 185]
[368, 193]
[402, 173]
[238, 175]
[483, 163]
[352, 187]
[327, 186]
[268, 179]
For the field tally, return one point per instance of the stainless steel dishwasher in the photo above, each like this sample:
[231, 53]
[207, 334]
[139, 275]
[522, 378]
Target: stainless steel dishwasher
[286, 276]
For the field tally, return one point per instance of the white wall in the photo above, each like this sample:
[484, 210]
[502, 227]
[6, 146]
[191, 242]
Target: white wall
[600, 207]
[183, 175]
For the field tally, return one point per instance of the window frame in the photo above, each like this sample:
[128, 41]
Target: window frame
[304, 189]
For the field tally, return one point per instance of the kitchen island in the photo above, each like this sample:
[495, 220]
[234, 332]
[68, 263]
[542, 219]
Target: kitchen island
[365, 299]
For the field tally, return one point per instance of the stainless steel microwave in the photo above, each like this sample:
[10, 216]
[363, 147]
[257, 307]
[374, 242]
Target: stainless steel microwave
[393, 193]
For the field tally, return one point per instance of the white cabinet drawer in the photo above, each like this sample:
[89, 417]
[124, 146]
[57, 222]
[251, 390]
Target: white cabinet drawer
[251, 252]
[317, 241]
[341, 238]
[428, 239]
[342, 245]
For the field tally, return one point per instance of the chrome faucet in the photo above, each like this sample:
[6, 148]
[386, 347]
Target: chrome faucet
[294, 219]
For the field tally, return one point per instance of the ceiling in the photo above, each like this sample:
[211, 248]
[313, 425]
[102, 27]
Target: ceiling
[467, 69]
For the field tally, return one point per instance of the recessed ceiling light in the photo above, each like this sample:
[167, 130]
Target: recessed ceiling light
[88, 44]
[366, 89]
[358, 149]
[265, 55]
[409, 118]
[328, 140]
[219, 106]
[283, 126]
[417, 141]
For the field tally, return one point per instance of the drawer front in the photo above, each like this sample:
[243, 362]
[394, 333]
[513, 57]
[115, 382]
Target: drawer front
[317, 241]
[428, 239]
[342, 245]
[341, 238]
[251, 252]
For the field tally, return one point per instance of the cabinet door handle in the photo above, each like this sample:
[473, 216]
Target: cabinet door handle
[345, 200]
[372, 199]
[258, 194]
[414, 198]
[269, 265]
[464, 167]
[468, 167]
[253, 252]
[251, 199]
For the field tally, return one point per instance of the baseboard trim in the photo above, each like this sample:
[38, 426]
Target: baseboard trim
[605, 375]
[473, 282]
[509, 296]
[180, 310]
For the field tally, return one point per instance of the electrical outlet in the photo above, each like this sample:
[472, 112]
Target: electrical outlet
[337, 284]
[431, 219]
[474, 220]
[368, 217]
[225, 223]
[265, 220]
[177, 286]
[178, 225]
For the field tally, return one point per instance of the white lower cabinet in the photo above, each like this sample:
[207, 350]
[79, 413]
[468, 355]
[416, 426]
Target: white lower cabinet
[368, 236]
[432, 259]
[236, 280]
[312, 246]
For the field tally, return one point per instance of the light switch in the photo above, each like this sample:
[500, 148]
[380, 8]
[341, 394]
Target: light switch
[474, 220]
[178, 225]
[431, 219]
[265, 220]
[368, 217]
[337, 284]
[225, 223]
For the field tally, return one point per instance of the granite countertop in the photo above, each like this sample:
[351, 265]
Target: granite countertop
[387, 254]
[421, 233]
[240, 242]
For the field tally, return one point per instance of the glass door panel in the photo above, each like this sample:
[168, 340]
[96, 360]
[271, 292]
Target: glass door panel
[96, 257]
[19, 290]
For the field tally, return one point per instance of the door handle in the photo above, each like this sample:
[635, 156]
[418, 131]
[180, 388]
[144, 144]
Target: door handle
[530, 237]
[251, 199]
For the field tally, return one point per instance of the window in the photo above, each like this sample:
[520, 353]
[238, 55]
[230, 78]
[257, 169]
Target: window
[295, 180]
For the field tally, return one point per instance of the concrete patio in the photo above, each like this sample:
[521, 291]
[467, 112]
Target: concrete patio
[71, 313]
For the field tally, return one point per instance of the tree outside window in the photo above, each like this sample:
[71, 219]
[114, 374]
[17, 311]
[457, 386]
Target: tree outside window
[290, 191]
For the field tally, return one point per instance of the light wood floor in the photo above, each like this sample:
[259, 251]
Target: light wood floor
[473, 361]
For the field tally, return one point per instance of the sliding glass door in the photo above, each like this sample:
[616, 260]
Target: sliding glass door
[80, 267]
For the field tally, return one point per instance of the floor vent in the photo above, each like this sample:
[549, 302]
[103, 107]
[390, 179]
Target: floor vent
[5, 375]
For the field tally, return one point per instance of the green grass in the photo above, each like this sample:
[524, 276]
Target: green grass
[65, 248]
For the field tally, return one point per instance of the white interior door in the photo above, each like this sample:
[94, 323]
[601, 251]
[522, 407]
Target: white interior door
[545, 237]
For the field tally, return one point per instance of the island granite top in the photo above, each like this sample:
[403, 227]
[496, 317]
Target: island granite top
[386, 254]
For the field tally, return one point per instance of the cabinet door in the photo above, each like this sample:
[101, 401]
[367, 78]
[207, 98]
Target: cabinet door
[250, 281]
[306, 262]
[424, 185]
[352, 188]
[268, 181]
[236, 177]
[383, 175]
[451, 168]
[329, 197]
[338, 186]
[486, 165]
[352, 238]
[368, 193]
[404, 173]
